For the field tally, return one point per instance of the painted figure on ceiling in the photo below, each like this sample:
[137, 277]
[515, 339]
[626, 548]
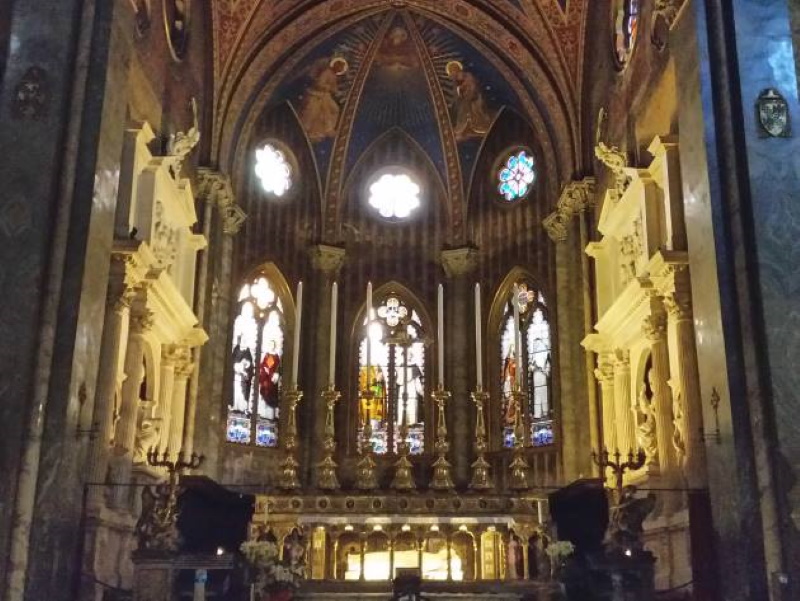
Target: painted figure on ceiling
[319, 108]
[469, 113]
[397, 51]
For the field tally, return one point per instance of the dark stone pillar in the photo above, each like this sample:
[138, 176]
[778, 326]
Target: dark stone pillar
[459, 347]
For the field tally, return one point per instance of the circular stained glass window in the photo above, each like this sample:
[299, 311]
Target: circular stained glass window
[273, 170]
[394, 194]
[516, 176]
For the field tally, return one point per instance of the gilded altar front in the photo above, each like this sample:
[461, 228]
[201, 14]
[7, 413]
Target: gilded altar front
[368, 538]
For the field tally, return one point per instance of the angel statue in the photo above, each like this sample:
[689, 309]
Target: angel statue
[182, 143]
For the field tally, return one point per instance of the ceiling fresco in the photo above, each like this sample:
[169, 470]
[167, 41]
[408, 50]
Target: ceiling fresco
[440, 71]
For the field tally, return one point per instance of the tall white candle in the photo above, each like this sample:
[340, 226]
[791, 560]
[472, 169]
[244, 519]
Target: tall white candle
[478, 345]
[440, 337]
[369, 339]
[297, 324]
[517, 344]
[332, 364]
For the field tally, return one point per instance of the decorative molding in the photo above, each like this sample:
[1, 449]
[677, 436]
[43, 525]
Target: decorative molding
[232, 219]
[576, 197]
[459, 261]
[328, 259]
[617, 162]
[142, 321]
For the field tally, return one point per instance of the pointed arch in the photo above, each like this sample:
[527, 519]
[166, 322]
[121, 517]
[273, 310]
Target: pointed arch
[391, 380]
[528, 368]
[261, 339]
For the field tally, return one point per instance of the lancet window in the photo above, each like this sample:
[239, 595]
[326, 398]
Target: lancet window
[256, 356]
[391, 377]
[525, 374]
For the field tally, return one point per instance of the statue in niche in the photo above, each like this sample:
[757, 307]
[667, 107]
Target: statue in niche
[147, 437]
[182, 143]
[269, 378]
[319, 108]
[471, 117]
[646, 426]
[176, 16]
[244, 370]
[397, 51]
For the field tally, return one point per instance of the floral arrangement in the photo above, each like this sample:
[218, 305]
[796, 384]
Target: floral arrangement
[272, 574]
[560, 550]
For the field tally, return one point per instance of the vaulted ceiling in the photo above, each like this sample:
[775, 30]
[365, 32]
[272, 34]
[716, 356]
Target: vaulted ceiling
[399, 64]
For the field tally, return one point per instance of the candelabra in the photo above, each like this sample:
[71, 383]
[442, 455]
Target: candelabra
[403, 474]
[365, 472]
[326, 469]
[618, 466]
[442, 478]
[289, 479]
[156, 529]
[481, 477]
[519, 465]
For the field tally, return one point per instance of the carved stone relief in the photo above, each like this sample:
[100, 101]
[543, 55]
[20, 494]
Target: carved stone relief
[31, 95]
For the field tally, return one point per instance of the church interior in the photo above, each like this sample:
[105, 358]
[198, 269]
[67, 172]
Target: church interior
[399, 299]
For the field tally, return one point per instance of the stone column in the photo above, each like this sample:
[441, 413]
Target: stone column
[605, 376]
[183, 369]
[117, 312]
[687, 402]
[327, 262]
[460, 360]
[125, 437]
[167, 382]
[623, 409]
[655, 329]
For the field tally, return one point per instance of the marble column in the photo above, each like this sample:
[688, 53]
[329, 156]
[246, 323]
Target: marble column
[167, 383]
[117, 313]
[125, 438]
[458, 264]
[605, 376]
[183, 370]
[623, 410]
[687, 403]
[655, 329]
[327, 262]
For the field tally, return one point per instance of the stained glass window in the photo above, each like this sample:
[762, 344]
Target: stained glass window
[534, 358]
[394, 195]
[516, 177]
[391, 377]
[626, 25]
[256, 355]
[273, 170]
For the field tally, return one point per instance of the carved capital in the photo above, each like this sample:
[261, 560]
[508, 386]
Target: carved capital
[655, 327]
[232, 219]
[576, 197]
[604, 372]
[327, 259]
[215, 187]
[622, 359]
[182, 359]
[679, 306]
[141, 321]
[459, 261]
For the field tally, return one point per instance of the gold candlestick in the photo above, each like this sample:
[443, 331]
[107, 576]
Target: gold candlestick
[481, 476]
[403, 474]
[365, 474]
[518, 466]
[326, 469]
[289, 479]
[442, 478]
